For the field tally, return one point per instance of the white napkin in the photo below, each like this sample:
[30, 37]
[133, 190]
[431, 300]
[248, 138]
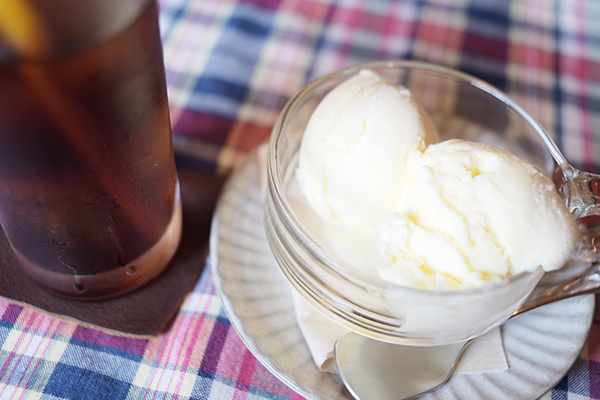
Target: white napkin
[485, 354]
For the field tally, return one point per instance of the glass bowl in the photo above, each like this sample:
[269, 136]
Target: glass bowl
[460, 106]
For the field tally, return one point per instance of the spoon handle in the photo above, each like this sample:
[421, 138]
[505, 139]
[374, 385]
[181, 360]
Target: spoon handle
[584, 283]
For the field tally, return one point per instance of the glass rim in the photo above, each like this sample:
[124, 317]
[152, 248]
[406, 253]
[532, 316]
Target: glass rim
[309, 244]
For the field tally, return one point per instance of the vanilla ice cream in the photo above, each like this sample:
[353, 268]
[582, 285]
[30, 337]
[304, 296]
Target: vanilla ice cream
[447, 215]
[354, 150]
[469, 214]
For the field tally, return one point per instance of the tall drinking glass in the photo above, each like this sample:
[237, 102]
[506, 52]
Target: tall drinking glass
[89, 196]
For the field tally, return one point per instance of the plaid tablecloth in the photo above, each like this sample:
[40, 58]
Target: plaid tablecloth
[231, 66]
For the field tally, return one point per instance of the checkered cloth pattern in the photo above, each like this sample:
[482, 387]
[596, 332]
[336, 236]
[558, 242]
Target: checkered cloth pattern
[231, 66]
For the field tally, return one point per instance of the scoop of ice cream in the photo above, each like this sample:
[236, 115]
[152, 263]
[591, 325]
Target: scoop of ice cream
[354, 149]
[450, 215]
[470, 214]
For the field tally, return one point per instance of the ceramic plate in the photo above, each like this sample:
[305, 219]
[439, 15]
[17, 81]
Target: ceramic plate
[540, 346]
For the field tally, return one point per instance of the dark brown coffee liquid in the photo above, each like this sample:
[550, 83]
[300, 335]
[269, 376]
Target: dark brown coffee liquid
[87, 174]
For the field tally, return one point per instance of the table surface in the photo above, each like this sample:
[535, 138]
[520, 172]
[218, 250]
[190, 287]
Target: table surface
[231, 66]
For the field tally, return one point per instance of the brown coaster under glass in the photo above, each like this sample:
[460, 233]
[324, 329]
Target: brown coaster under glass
[150, 309]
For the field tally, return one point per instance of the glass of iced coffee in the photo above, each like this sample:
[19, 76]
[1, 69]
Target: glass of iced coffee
[89, 196]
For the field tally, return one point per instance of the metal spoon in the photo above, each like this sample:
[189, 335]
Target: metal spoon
[372, 370]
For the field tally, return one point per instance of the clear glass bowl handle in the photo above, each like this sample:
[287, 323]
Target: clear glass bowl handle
[581, 193]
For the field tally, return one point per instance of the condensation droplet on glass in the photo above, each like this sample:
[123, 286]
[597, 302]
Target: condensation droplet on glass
[131, 269]
[79, 287]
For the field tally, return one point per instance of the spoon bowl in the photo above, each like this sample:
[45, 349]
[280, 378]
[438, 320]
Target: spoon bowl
[372, 369]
